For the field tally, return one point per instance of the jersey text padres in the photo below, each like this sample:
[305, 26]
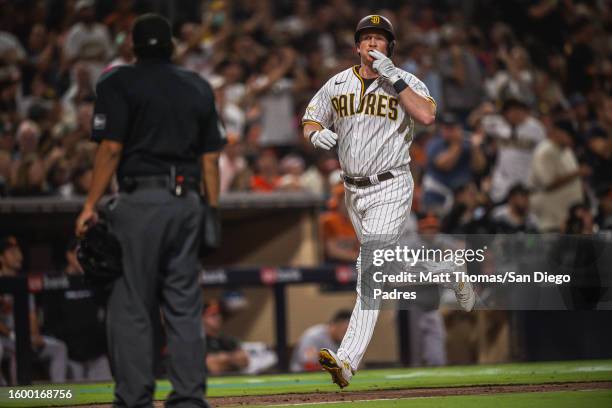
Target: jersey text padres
[374, 131]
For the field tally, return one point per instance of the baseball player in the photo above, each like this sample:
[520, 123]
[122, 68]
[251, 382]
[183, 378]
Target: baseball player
[372, 108]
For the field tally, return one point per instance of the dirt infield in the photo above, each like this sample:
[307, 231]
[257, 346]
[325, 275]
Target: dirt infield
[392, 394]
[404, 393]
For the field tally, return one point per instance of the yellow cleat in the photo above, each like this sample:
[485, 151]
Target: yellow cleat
[340, 371]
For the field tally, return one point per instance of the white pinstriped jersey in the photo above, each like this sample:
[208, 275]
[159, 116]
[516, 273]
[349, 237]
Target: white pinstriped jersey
[374, 131]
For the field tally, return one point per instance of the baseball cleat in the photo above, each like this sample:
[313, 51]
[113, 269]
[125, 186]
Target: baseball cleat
[340, 371]
[464, 292]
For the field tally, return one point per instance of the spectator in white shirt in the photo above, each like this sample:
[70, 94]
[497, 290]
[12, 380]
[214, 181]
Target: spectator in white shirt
[555, 177]
[515, 134]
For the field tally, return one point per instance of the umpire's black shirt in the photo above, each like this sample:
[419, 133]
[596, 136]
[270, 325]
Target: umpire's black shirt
[163, 115]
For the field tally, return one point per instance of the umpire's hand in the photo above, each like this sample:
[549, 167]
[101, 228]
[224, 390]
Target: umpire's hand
[88, 216]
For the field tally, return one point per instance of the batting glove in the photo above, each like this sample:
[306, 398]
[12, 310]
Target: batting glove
[384, 66]
[324, 139]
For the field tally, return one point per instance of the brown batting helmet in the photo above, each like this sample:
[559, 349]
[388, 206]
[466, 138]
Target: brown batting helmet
[379, 22]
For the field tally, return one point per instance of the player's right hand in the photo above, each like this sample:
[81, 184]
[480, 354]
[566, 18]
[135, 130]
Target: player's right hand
[324, 139]
[384, 66]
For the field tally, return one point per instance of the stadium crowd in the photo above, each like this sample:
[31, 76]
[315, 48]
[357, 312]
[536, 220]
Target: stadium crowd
[523, 92]
[522, 141]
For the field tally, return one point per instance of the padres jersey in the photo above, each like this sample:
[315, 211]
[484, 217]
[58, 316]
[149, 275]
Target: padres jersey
[374, 131]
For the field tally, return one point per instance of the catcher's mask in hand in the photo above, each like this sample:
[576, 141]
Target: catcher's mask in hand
[99, 253]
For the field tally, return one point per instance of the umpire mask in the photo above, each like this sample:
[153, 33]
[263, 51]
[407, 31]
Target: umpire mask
[152, 37]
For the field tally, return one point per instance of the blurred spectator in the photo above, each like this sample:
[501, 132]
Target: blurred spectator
[125, 53]
[340, 244]
[40, 101]
[296, 178]
[274, 91]
[58, 176]
[76, 317]
[88, 40]
[515, 80]
[11, 257]
[80, 182]
[514, 216]
[428, 25]
[514, 134]
[461, 74]
[420, 62]
[452, 162]
[580, 116]
[329, 335]
[548, 91]
[230, 92]
[223, 353]
[267, 176]
[46, 348]
[42, 54]
[10, 93]
[234, 171]
[604, 212]
[28, 169]
[81, 90]
[578, 252]
[5, 172]
[313, 180]
[469, 214]
[192, 52]
[556, 177]
[581, 58]
[329, 167]
[121, 19]
[579, 220]
[604, 113]
[598, 158]
[11, 50]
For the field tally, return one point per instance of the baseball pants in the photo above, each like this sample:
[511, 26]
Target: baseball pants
[159, 235]
[380, 216]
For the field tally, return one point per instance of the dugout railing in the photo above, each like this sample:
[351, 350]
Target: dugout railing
[276, 279]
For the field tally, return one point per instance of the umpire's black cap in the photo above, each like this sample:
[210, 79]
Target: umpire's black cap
[152, 36]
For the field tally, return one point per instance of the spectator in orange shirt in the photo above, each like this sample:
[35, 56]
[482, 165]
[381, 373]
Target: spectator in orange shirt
[267, 176]
[339, 238]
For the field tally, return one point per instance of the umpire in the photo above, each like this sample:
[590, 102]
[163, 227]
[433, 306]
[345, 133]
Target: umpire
[157, 128]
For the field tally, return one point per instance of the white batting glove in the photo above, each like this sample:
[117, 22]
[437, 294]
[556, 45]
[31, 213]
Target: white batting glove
[384, 66]
[324, 139]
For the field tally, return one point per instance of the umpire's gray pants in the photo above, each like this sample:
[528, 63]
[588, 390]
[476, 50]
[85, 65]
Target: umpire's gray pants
[159, 235]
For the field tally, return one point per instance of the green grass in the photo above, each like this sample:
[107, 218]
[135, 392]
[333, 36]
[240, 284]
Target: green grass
[525, 373]
[564, 399]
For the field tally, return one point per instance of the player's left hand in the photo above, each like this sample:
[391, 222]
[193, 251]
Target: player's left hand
[384, 66]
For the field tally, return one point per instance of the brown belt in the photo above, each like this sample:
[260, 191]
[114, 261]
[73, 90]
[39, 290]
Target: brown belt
[365, 181]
